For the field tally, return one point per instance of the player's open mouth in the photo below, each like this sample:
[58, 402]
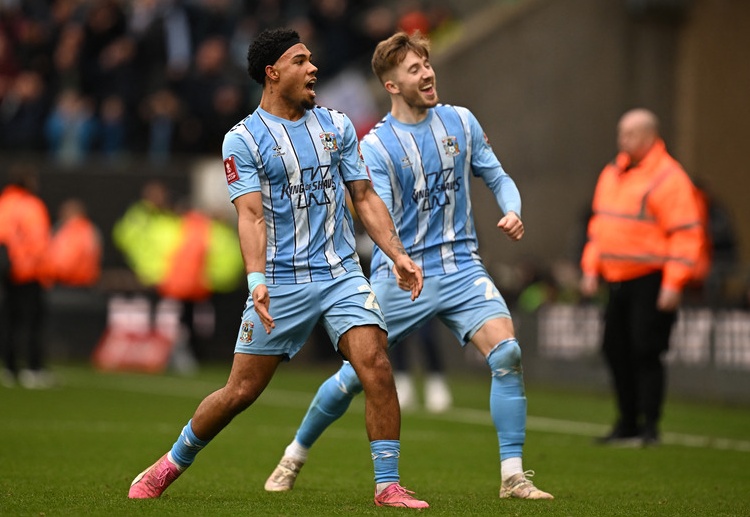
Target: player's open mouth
[311, 85]
[427, 87]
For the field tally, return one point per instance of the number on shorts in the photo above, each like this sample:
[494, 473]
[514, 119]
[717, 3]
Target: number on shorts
[490, 291]
[371, 303]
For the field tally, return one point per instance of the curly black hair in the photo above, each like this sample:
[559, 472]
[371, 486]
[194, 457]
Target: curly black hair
[267, 49]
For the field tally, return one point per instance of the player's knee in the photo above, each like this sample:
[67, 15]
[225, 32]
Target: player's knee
[241, 396]
[348, 380]
[505, 357]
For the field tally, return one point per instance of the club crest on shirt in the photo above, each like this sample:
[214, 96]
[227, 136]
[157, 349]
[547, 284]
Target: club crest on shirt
[246, 331]
[450, 145]
[329, 142]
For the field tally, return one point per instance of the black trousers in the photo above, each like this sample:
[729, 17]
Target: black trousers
[21, 320]
[636, 336]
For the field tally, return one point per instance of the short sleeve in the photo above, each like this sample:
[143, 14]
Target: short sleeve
[352, 163]
[239, 151]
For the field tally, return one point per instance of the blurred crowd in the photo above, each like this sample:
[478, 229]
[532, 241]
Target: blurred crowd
[178, 257]
[159, 77]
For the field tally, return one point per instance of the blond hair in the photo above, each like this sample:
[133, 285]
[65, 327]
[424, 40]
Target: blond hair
[391, 52]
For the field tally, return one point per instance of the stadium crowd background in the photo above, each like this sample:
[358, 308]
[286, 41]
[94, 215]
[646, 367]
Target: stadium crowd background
[116, 93]
[159, 77]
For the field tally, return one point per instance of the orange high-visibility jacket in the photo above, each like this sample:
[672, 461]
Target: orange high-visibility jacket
[186, 277]
[75, 254]
[645, 219]
[705, 259]
[25, 231]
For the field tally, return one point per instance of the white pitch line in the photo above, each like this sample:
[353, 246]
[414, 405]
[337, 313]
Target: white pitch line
[301, 400]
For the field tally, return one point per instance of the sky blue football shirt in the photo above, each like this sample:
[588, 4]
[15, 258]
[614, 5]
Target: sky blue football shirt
[300, 169]
[422, 173]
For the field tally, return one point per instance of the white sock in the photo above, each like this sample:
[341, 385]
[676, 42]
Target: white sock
[297, 451]
[379, 487]
[173, 462]
[511, 467]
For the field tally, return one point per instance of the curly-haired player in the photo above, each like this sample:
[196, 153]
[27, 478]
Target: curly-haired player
[288, 166]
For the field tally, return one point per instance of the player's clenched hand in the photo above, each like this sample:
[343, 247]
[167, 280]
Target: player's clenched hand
[261, 302]
[408, 275]
[512, 225]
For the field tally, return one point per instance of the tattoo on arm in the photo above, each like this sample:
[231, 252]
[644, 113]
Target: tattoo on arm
[397, 242]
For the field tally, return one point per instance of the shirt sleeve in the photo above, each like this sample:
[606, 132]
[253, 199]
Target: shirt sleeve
[352, 163]
[240, 166]
[484, 163]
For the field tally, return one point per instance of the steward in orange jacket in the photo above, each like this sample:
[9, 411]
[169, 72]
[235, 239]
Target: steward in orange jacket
[75, 253]
[25, 232]
[646, 218]
[24, 238]
[646, 238]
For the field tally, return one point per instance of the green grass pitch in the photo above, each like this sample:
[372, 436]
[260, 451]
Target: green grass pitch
[72, 451]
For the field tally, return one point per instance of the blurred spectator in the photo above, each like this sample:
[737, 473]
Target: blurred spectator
[229, 106]
[23, 112]
[24, 235]
[723, 252]
[106, 51]
[160, 112]
[211, 18]
[414, 19]
[164, 41]
[378, 22]
[146, 232]
[75, 252]
[36, 36]
[213, 99]
[66, 57]
[71, 127]
[112, 127]
[335, 35]
[10, 66]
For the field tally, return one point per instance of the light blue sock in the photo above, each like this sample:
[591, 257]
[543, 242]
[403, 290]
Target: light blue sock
[385, 454]
[507, 398]
[332, 400]
[187, 446]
